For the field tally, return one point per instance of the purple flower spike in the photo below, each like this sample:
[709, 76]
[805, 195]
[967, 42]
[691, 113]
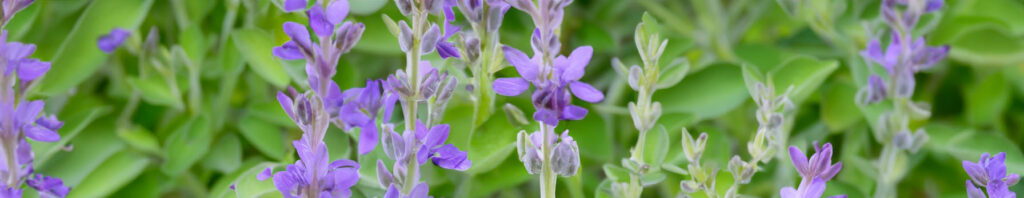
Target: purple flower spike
[111, 41]
[48, 186]
[444, 48]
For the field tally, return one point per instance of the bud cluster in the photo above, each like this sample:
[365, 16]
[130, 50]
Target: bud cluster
[701, 178]
[564, 159]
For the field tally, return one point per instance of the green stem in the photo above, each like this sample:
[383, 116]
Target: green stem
[547, 174]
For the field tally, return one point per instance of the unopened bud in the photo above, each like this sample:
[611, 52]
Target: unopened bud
[348, 35]
[404, 6]
[566, 158]
[393, 144]
[689, 186]
[495, 15]
[429, 83]
[515, 115]
[635, 76]
[398, 83]
[405, 35]
[429, 41]
[383, 175]
[472, 48]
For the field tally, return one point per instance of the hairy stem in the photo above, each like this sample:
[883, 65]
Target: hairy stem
[548, 179]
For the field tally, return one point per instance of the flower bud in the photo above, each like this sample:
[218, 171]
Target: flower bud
[495, 14]
[532, 161]
[903, 139]
[920, 138]
[404, 6]
[635, 75]
[472, 48]
[398, 83]
[447, 89]
[393, 144]
[430, 83]
[472, 9]
[693, 149]
[348, 35]
[429, 41]
[434, 6]
[515, 115]
[405, 36]
[566, 157]
[383, 175]
[689, 186]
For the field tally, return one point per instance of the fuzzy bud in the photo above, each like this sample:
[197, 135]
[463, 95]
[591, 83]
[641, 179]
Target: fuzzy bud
[405, 36]
[404, 6]
[566, 157]
[348, 35]
[429, 41]
[383, 175]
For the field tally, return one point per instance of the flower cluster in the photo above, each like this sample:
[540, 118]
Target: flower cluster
[22, 119]
[111, 41]
[815, 172]
[905, 55]
[313, 175]
[990, 172]
[701, 178]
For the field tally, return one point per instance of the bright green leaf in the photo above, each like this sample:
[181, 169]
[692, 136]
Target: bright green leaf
[155, 90]
[225, 155]
[804, 73]
[115, 172]
[186, 145]
[707, 93]
[266, 137]
[256, 46]
[986, 100]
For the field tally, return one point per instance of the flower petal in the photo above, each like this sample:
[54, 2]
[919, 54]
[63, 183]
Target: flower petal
[298, 33]
[30, 69]
[318, 21]
[294, 5]
[265, 174]
[438, 134]
[510, 86]
[368, 138]
[586, 92]
[799, 161]
[337, 11]
[973, 192]
[524, 65]
[578, 61]
[450, 157]
[42, 134]
[573, 112]
[289, 51]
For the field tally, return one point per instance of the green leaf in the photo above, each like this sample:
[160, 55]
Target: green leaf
[140, 138]
[1007, 11]
[672, 74]
[707, 93]
[804, 73]
[366, 7]
[186, 145]
[115, 172]
[149, 184]
[78, 57]
[510, 172]
[266, 137]
[651, 25]
[966, 144]
[838, 108]
[491, 143]
[222, 187]
[256, 47]
[226, 154]
[592, 134]
[194, 44]
[155, 90]
[74, 123]
[246, 184]
[988, 46]
[657, 145]
[616, 173]
[986, 100]
[95, 144]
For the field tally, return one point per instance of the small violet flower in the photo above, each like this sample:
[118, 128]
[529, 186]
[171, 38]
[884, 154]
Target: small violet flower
[111, 41]
[815, 172]
[445, 48]
[990, 172]
[552, 97]
[904, 56]
[359, 107]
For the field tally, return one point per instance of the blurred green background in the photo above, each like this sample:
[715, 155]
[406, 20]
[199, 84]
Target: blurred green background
[208, 117]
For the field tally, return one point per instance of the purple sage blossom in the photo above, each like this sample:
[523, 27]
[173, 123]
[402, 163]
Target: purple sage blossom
[815, 172]
[335, 38]
[990, 172]
[446, 156]
[294, 5]
[111, 41]
[360, 107]
[445, 48]
[554, 84]
[904, 56]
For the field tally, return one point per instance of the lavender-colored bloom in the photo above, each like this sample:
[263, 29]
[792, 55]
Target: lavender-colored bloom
[16, 55]
[111, 41]
[905, 55]
[990, 172]
[443, 155]
[48, 186]
[815, 172]
[332, 180]
[360, 107]
[420, 191]
[321, 59]
[552, 97]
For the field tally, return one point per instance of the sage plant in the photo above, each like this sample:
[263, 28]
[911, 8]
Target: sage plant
[481, 49]
[22, 119]
[645, 112]
[905, 55]
[312, 175]
[990, 173]
[772, 110]
[702, 177]
[553, 78]
[423, 138]
[815, 172]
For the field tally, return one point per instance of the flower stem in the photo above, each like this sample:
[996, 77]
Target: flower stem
[547, 174]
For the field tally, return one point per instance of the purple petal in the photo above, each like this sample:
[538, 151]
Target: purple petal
[447, 50]
[573, 112]
[50, 122]
[294, 5]
[524, 65]
[998, 189]
[421, 190]
[976, 172]
[289, 51]
[874, 52]
[421, 130]
[450, 157]
[934, 5]
[368, 138]
[799, 161]
[973, 192]
[265, 174]
[997, 167]
[337, 11]
[18, 51]
[788, 192]
[392, 192]
[585, 92]
[383, 174]
[319, 23]
[438, 134]
[299, 34]
[24, 152]
[286, 181]
[510, 86]
[578, 61]
[30, 69]
[344, 163]
[48, 186]
[815, 189]
[546, 116]
[831, 171]
[286, 104]
[27, 112]
[423, 154]
[109, 42]
[42, 134]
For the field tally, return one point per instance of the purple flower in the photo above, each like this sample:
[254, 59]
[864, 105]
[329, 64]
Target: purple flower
[294, 5]
[444, 48]
[331, 180]
[11, 7]
[815, 172]
[359, 107]
[990, 172]
[334, 40]
[553, 83]
[443, 155]
[420, 191]
[48, 186]
[111, 41]
[565, 157]
[905, 55]
[16, 55]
